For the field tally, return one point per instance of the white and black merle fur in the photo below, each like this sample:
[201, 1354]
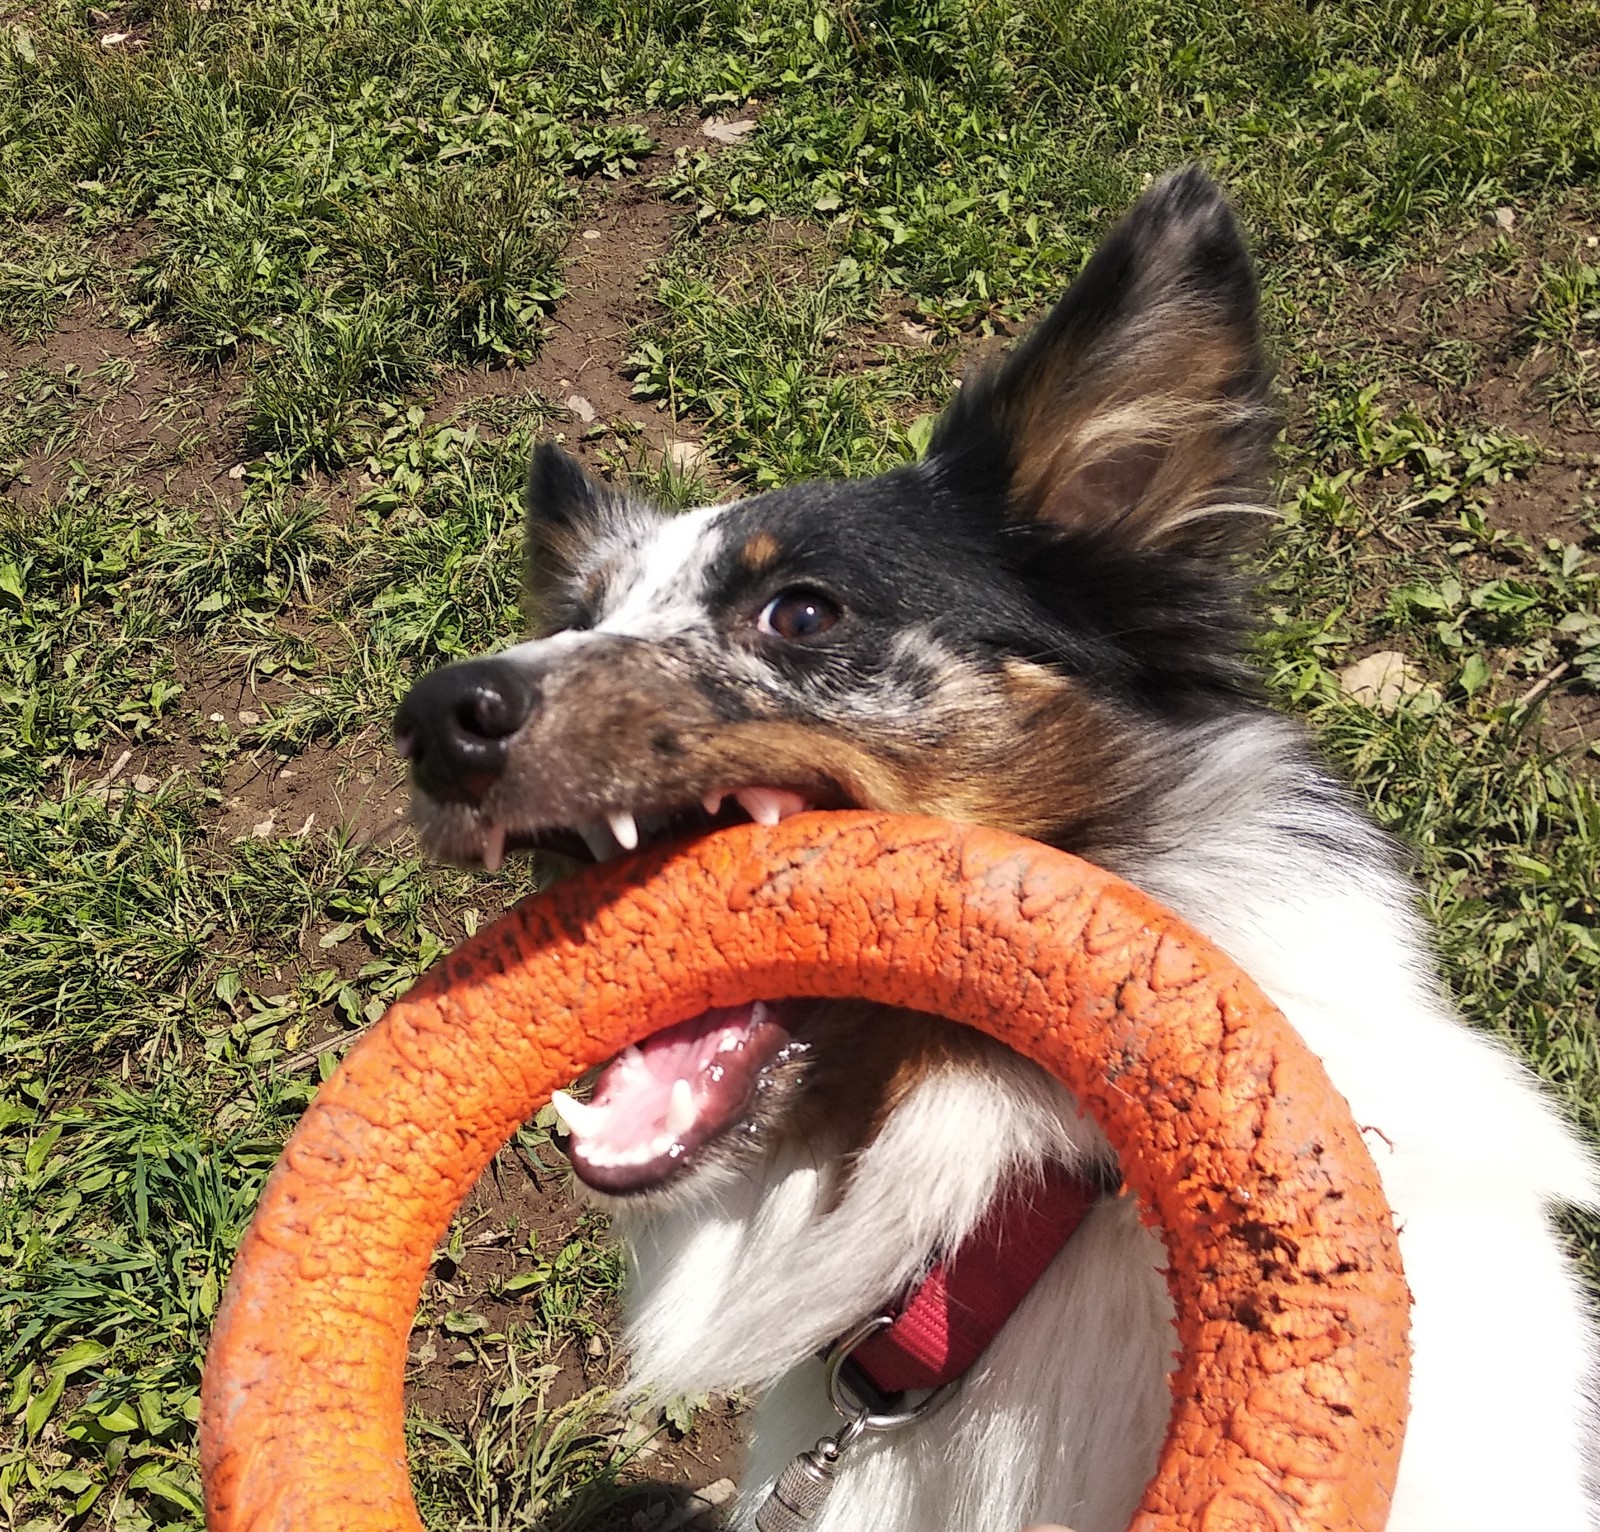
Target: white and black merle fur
[1039, 627]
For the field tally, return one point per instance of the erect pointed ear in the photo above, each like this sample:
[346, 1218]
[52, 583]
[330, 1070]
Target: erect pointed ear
[1137, 411]
[565, 509]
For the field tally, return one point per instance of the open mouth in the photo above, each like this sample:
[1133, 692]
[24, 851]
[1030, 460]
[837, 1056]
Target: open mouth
[659, 1103]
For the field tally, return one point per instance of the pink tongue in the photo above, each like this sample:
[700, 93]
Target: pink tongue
[654, 1105]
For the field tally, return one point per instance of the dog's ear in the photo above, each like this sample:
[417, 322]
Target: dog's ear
[1137, 411]
[563, 509]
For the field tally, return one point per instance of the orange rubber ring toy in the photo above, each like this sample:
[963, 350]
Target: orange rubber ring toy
[1292, 1310]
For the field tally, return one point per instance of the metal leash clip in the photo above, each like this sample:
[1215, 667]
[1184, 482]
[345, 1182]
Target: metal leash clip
[802, 1489]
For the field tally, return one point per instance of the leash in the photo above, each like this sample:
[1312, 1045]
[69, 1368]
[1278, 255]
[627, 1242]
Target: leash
[931, 1339]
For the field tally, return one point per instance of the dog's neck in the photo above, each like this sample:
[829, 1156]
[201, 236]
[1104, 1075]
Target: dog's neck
[944, 1324]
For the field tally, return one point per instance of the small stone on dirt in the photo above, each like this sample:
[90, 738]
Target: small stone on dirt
[263, 828]
[591, 234]
[216, 718]
[116, 769]
[237, 471]
[725, 132]
[1383, 681]
[113, 39]
[581, 408]
[718, 1493]
[145, 784]
[920, 334]
[249, 718]
[639, 1440]
[596, 1346]
[1506, 217]
[684, 456]
[697, 1509]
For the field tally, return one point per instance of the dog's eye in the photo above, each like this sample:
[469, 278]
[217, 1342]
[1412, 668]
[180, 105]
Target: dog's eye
[798, 614]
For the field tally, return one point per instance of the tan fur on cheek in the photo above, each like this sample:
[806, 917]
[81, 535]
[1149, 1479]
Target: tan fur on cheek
[980, 767]
[760, 553]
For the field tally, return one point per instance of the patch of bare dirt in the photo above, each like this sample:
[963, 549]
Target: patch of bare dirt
[522, 1209]
[519, 1204]
[682, 1481]
[1572, 722]
[619, 238]
[1460, 338]
[136, 408]
[358, 787]
[1461, 331]
[622, 229]
[1549, 501]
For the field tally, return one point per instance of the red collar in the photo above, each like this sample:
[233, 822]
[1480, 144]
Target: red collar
[944, 1324]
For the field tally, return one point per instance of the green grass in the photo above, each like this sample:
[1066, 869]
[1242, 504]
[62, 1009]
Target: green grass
[322, 214]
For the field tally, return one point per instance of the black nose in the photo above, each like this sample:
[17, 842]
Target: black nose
[456, 726]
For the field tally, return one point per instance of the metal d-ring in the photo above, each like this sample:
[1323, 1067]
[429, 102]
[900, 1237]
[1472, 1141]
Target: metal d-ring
[857, 1411]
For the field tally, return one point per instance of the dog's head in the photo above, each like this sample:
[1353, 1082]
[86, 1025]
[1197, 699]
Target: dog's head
[1006, 633]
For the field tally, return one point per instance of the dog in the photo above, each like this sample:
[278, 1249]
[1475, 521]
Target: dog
[1041, 626]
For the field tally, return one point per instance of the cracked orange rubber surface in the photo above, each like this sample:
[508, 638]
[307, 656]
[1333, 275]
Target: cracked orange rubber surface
[1290, 1396]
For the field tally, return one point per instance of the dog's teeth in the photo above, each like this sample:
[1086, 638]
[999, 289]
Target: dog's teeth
[680, 1108]
[759, 804]
[712, 803]
[577, 1117]
[493, 848]
[625, 830]
[601, 842]
[768, 805]
[633, 1056]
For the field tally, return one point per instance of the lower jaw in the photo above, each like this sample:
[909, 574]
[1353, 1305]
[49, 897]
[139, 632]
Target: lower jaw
[627, 1184]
